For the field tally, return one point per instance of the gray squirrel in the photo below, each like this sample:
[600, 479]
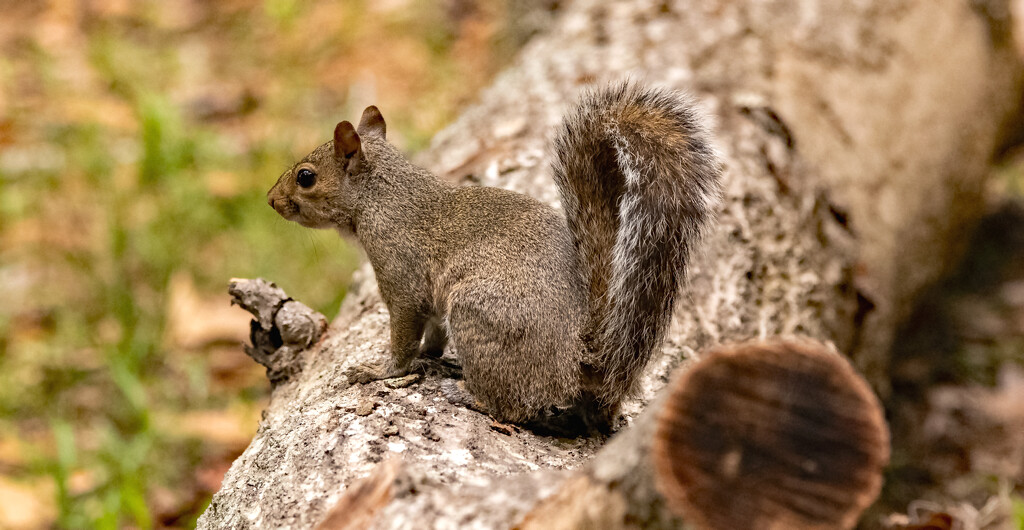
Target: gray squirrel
[550, 315]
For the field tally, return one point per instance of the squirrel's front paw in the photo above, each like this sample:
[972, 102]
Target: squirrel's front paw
[367, 372]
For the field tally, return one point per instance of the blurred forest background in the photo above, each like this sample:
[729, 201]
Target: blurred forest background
[137, 142]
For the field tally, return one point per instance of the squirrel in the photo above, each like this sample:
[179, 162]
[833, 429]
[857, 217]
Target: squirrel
[547, 313]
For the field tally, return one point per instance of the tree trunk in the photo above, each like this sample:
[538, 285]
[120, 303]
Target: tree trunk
[856, 138]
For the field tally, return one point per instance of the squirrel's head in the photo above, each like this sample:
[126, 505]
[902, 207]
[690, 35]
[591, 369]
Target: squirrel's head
[322, 190]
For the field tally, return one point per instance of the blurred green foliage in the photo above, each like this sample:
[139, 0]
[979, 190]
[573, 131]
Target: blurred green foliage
[137, 142]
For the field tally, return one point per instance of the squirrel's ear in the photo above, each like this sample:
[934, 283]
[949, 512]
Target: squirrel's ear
[347, 146]
[372, 123]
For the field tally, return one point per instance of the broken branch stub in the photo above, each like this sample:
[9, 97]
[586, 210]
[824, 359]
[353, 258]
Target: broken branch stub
[776, 434]
[282, 330]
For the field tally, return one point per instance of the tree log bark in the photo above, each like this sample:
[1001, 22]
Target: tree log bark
[856, 138]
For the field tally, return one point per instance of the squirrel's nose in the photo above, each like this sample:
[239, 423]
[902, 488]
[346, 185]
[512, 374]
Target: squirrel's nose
[270, 201]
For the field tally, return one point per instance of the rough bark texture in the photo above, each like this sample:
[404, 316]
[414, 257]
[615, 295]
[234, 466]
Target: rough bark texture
[856, 136]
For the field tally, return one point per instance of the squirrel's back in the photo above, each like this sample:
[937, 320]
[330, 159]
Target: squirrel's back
[640, 184]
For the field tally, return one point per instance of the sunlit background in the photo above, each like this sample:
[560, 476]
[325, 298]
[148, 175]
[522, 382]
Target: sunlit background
[137, 142]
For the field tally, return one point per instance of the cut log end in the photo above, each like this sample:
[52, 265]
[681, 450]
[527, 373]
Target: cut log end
[778, 434]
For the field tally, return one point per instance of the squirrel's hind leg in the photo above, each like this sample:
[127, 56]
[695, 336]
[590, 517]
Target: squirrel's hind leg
[514, 362]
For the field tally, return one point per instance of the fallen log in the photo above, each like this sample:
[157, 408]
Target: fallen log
[856, 139]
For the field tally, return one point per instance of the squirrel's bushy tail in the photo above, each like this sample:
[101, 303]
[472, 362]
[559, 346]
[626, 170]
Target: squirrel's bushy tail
[640, 183]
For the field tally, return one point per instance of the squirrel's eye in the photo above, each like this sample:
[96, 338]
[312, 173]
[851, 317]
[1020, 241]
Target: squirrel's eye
[305, 178]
